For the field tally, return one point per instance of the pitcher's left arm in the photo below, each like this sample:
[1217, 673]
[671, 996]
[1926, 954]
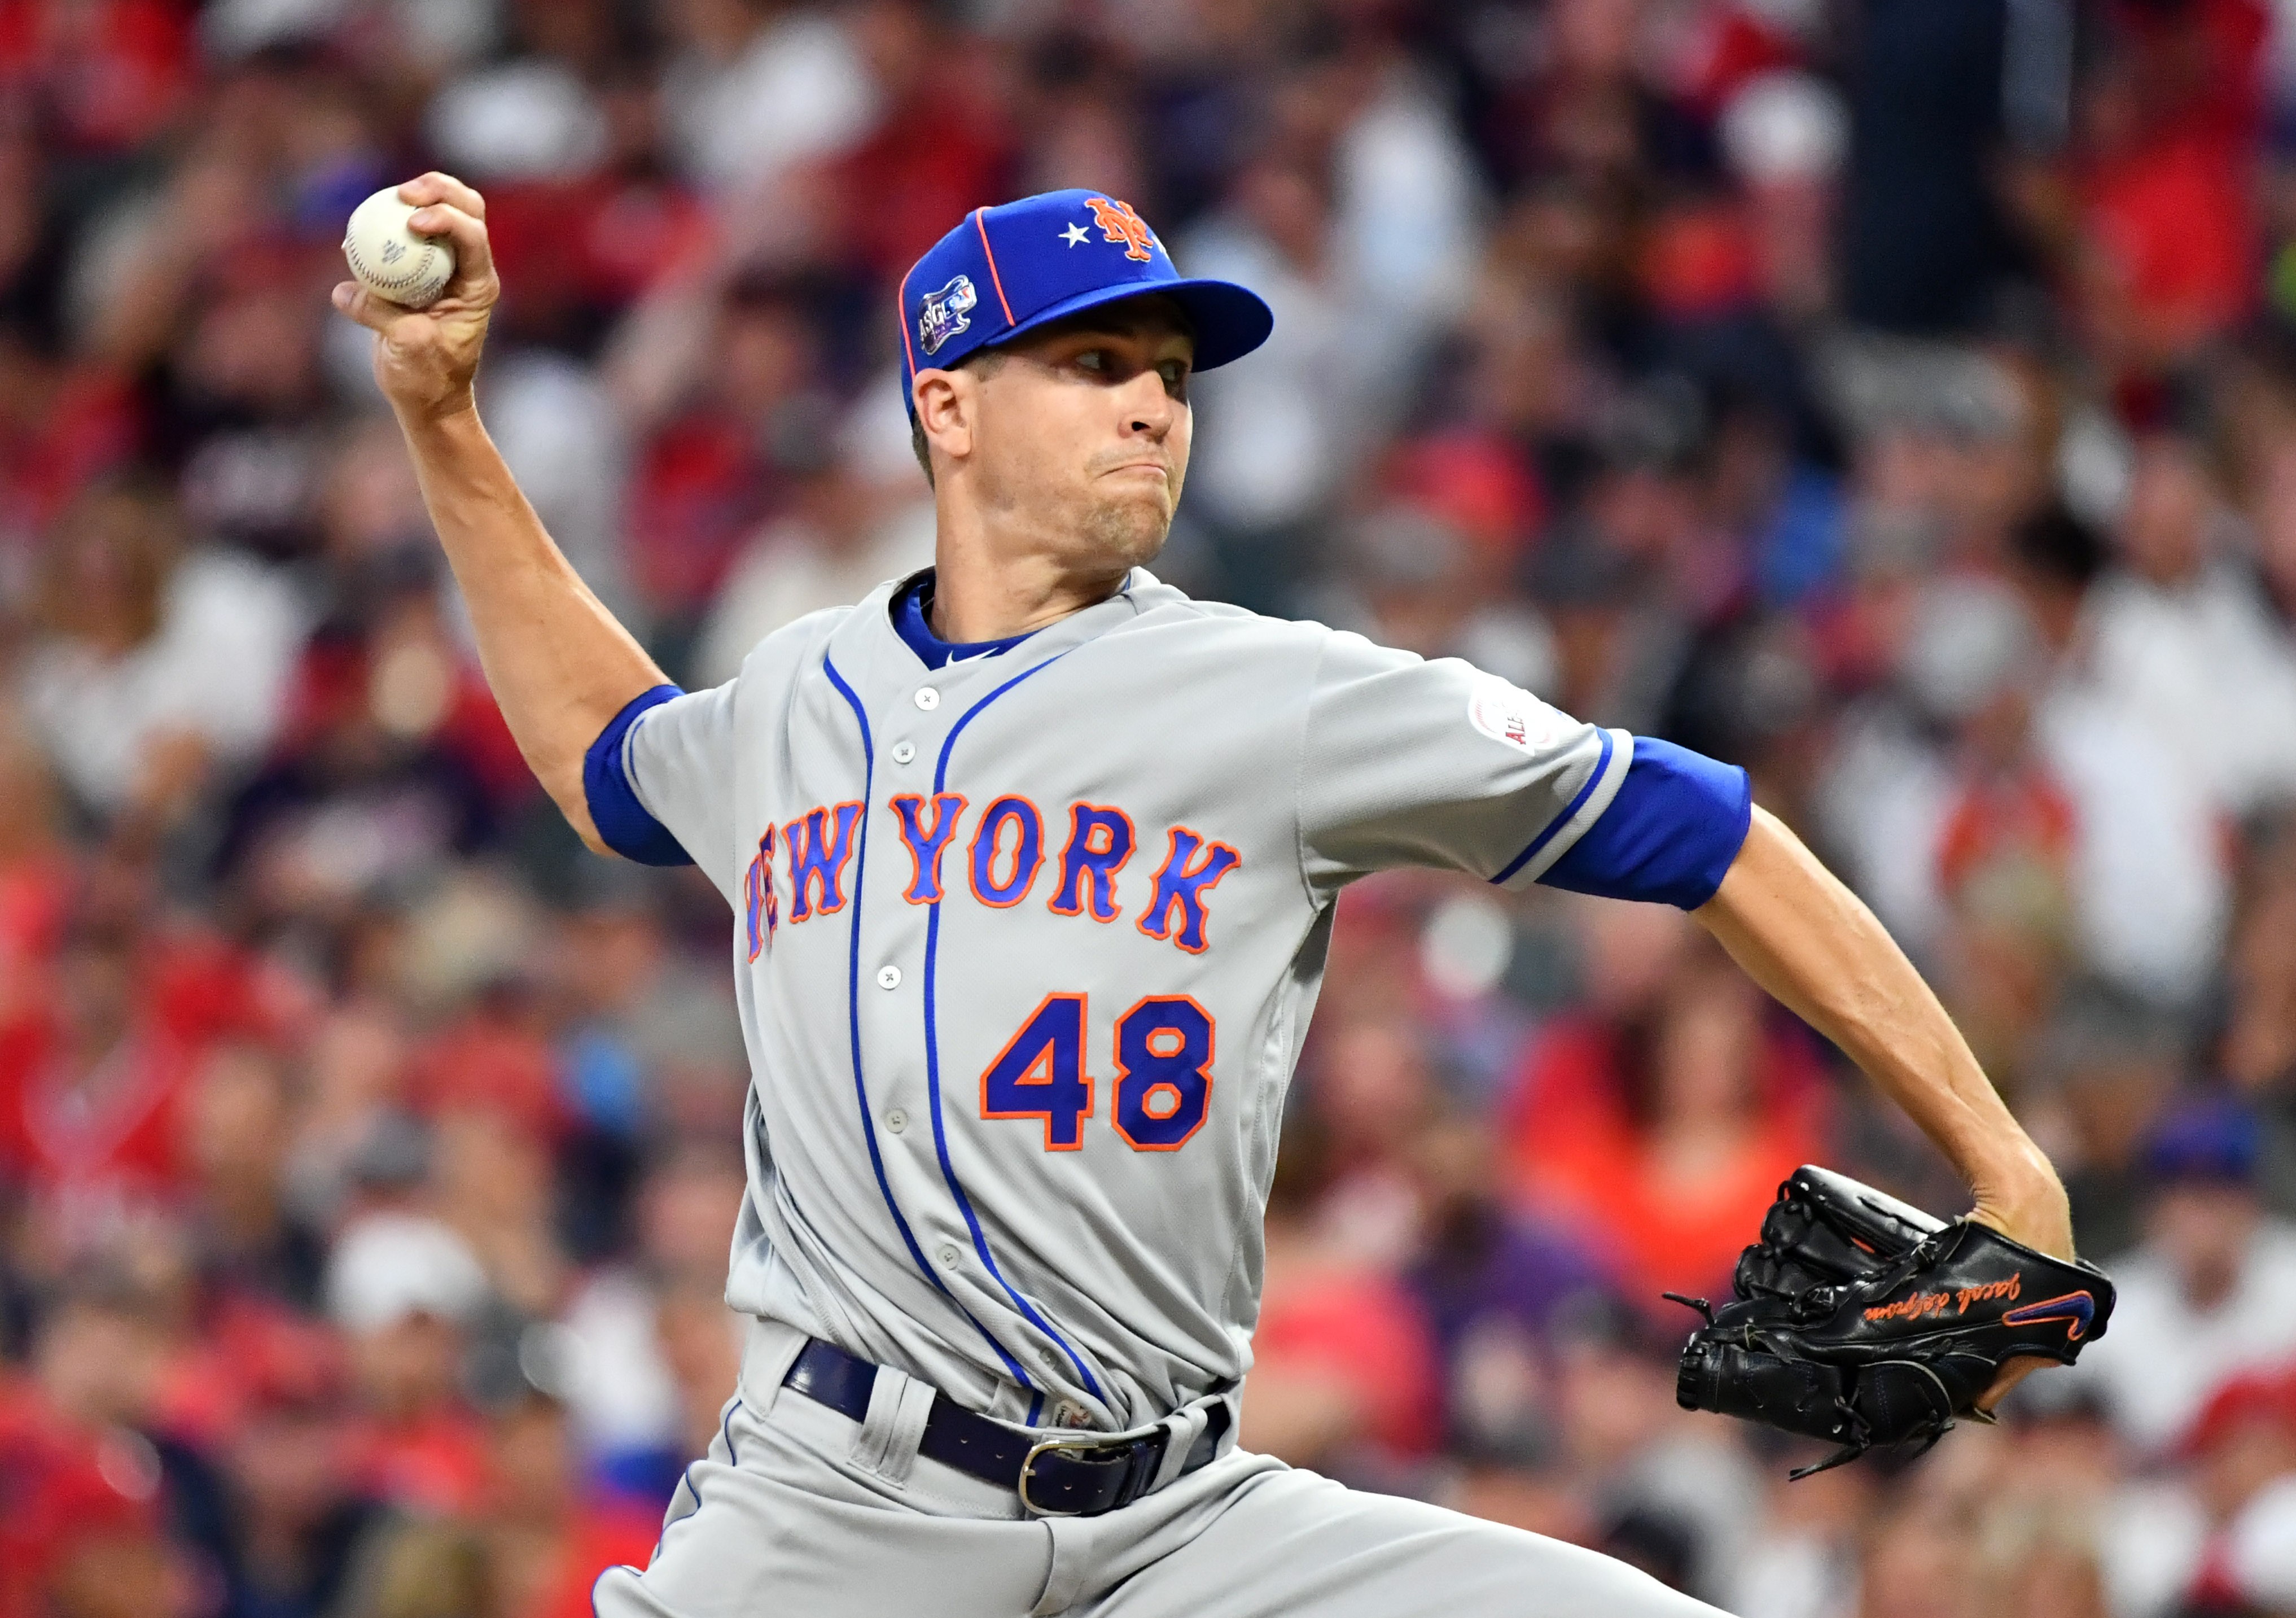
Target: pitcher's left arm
[1805, 937]
[1811, 942]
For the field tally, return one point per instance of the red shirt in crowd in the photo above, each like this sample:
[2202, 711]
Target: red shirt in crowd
[600, 1536]
[436, 1462]
[94, 1145]
[1358, 1326]
[61, 1491]
[1576, 1154]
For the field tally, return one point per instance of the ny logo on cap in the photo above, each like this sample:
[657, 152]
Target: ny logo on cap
[944, 313]
[1119, 223]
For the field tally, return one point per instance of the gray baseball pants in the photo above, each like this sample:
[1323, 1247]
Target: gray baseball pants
[798, 1510]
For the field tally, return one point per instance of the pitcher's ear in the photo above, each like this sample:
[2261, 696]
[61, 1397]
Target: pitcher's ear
[945, 402]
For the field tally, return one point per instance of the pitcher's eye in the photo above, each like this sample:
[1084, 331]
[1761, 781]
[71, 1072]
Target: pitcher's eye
[1094, 360]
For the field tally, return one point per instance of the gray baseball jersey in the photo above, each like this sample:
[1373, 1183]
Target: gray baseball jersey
[1025, 947]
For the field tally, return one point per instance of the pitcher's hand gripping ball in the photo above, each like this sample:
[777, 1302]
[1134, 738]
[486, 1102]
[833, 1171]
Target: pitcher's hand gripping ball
[1863, 1321]
[392, 261]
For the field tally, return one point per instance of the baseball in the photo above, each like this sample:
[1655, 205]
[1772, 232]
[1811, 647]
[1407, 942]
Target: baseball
[391, 261]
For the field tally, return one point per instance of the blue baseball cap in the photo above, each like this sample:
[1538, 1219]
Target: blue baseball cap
[1010, 269]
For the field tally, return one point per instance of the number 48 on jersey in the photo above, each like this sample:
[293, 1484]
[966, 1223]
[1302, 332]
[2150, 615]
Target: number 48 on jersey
[1163, 1073]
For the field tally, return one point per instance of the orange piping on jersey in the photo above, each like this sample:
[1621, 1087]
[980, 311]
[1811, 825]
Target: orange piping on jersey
[1116, 1095]
[1157, 923]
[991, 825]
[947, 808]
[1088, 875]
[760, 904]
[829, 820]
[1084, 1070]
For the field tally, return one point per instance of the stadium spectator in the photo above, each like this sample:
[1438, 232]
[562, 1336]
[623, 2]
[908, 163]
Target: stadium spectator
[2182, 639]
[152, 662]
[1671, 1132]
[2212, 1292]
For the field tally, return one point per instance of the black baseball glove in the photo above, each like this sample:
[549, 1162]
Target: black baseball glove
[1863, 1320]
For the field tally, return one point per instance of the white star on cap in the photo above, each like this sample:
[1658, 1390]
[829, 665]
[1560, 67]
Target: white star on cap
[1074, 234]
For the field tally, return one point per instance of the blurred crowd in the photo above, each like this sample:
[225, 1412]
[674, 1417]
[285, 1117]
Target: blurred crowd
[1897, 398]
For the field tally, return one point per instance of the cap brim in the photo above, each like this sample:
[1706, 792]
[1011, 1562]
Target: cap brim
[1230, 320]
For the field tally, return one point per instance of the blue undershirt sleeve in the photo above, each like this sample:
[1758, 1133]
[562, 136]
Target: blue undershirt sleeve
[1668, 836]
[624, 824]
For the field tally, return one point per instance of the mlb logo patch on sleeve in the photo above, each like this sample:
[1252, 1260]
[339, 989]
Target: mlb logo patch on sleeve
[1510, 714]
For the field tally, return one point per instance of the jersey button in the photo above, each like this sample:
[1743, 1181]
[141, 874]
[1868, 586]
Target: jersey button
[928, 698]
[889, 977]
[897, 1120]
[903, 752]
[948, 1258]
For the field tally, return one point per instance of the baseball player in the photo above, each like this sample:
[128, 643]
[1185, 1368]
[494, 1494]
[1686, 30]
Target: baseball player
[1032, 862]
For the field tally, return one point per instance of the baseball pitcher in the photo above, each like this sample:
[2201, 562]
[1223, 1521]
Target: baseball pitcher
[1032, 862]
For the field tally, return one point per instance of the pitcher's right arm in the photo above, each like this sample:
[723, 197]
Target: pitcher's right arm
[560, 666]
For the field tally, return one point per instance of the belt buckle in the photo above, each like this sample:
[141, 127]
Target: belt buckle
[1027, 1470]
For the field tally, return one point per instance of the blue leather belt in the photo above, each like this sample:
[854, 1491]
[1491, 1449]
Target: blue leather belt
[1065, 1475]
